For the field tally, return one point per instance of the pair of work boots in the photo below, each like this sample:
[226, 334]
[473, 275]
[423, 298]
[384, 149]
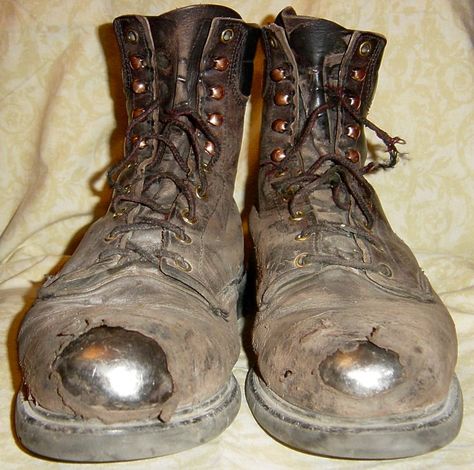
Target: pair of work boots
[128, 351]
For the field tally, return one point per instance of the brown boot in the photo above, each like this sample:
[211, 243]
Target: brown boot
[128, 351]
[356, 353]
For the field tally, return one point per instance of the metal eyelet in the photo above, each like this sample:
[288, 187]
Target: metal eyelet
[354, 102]
[137, 111]
[137, 62]
[302, 236]
[358, 74]
[215, 119]
[385, 270]
[278, 155]
[138, 86]
[110, 237]
[298, 215]
[280, 173]
[353, 131]
[132, 36]
[273, 42]
[227, 35]
[282, 99]
[216, 92]
[209, 147]
[185, 217]
[280, 125]
[200, 194]
[300, 260]
[183, 265]
[220, 64]
[353, 155]
[278, 74]
[186, 239]
[365, 49]
[127, 190]
[117, 215]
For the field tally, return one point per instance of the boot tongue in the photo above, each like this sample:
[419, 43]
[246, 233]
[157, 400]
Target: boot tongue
[312, 39]
[179, 37]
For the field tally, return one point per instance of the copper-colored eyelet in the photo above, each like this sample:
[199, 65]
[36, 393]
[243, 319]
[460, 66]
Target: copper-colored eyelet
[216, 92]
[227, 35]
[365, 49]
[353, 155]
[358, 74]
[354, 102]
[137, 62]
[220, 63]
[141, 142]
[280, 173]
[209, 147]
[215, 119]
[282, 99]
[138, 86]
[278, 155]
[187, 219]
[280, 125]
[353, 131]
[298, 215]
[137, 111]
[278, 74]
[300, 260]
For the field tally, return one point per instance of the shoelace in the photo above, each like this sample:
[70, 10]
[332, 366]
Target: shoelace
[344, 177]
[153, 175]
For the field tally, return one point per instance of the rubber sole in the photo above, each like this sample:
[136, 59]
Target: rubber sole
[78, 440]
[389, 437]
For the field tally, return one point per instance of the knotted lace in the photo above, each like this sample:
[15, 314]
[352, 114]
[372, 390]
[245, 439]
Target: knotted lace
[188, 122]
[344, 177]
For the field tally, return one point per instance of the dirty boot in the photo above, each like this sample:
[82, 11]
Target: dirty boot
[128, 351]
[355, 352]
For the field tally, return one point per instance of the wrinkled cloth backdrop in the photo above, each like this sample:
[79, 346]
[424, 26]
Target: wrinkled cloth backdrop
[62, 120]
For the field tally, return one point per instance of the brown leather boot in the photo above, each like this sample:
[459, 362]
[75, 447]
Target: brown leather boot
[128, 351]
[356, 353]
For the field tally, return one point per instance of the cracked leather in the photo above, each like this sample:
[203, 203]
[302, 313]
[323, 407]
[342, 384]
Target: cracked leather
[361, 282]
[167, 67]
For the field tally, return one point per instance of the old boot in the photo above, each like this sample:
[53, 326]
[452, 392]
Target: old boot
[356, 353]
[128, 351]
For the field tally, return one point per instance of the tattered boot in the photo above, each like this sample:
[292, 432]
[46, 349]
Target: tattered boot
[355, 352]
[128, 351]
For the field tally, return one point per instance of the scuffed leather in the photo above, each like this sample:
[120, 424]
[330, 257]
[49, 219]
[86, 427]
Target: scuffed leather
[191, 315]
[378, 293]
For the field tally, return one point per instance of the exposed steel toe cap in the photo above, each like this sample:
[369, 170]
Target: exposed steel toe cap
[356, 357]
[363, 371]
[115, 368]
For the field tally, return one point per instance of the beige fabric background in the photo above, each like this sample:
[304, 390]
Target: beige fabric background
[61, 124]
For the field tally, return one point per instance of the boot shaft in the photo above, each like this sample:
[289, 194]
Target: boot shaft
[316, 64]
[198, 59]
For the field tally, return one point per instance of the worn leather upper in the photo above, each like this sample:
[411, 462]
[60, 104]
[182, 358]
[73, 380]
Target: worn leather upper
[166, 260]
[331, 272]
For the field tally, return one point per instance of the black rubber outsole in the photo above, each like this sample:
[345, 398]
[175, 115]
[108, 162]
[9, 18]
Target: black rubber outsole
[389, 437]
[78, 440]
